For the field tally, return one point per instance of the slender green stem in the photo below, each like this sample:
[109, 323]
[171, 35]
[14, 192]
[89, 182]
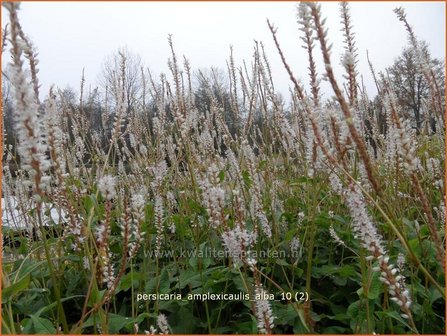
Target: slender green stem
[56, 289]
[402, 239]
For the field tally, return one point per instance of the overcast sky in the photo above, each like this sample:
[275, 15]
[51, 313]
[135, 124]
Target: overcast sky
[71, 36]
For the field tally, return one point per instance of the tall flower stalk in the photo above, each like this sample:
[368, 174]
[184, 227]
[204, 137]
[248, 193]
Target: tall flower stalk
[365, 230]
[31, 135]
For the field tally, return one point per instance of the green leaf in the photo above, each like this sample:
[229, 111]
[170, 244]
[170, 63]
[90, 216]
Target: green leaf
[246, 178]
[150, 285]
[53, 304]
[221, 175]
[27, 325]
[359, 319]
[199, 264]
[192, 279]
[117, 322]
[298, 272]
[285, 316]
[393, 314]
[185, 321]
[195, 206]
[282, 262]
[73, 258]
[239, 283]
[340, 281]
[262, 164]
[434, 295]
[89, 203]
[95, 296]
[247, 327]
[223, 330]
[164, 284]
[11, 291]
[347, 271]
[341, 219]
[336, 330]
[42, 326]
[180, 224]
[194, 263]
[126, 281]
[140, 318]
[375, 288]
[290, 234]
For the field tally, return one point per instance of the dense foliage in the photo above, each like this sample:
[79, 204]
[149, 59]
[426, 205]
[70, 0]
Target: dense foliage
[220, 209]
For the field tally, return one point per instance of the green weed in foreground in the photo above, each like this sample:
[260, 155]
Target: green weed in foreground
[224, 211]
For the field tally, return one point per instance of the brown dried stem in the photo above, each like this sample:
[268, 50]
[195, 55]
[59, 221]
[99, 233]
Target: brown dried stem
[361, 146]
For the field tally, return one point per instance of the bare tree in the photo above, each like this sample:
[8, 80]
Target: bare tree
[413, 86]
[121, 78]
[212, 84]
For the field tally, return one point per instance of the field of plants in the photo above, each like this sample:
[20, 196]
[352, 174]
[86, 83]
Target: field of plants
[224, 209]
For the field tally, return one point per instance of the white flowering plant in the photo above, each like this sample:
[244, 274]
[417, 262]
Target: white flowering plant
[179, 204]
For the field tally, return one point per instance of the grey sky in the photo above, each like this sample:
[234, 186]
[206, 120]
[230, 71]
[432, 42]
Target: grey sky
[75, 35]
